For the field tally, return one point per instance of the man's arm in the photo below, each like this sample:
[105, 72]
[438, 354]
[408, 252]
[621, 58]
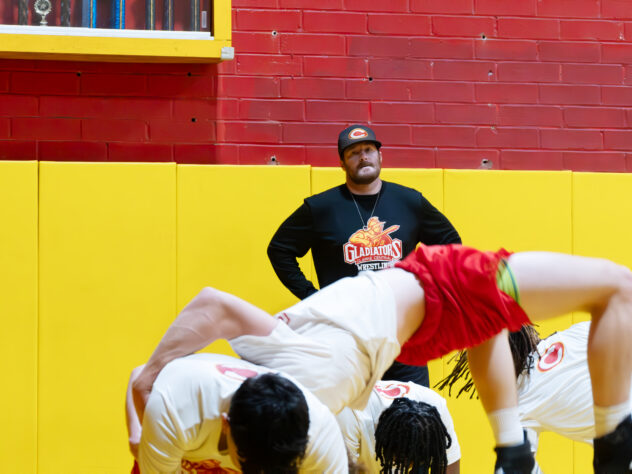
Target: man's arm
[211, 315]
[436, 229]
[292, 240]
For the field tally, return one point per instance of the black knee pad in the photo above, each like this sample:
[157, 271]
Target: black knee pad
[514, 459]
[613, 452]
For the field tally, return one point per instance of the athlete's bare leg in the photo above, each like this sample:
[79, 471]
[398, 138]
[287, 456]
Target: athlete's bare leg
[492, 369]
[553, 284]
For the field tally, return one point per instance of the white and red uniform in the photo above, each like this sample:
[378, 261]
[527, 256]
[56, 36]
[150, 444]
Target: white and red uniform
[347, 332]
[557, 395]
[182, 422]
[358, 426]
[337, 342]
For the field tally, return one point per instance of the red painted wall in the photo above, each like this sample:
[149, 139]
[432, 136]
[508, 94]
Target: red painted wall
[529, 84]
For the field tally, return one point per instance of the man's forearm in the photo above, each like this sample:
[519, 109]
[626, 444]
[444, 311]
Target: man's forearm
[289, 272]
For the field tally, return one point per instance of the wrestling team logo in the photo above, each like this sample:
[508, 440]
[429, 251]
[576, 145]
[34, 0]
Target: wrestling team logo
[210, 466]
[552, 357]
[392, 390]
[372, 248]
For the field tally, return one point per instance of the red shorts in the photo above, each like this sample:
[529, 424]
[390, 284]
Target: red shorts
[464, 306]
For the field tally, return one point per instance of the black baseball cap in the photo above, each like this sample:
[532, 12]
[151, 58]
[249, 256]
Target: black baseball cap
[355, 134]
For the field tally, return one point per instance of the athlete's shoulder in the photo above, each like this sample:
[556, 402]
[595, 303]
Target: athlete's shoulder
[200, 370]
[389, 390]
[579, 330]
[576, 333]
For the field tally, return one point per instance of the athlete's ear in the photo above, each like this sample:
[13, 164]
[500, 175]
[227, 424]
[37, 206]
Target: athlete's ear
[342, 165]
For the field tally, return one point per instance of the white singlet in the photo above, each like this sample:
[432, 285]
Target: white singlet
[182, 422]
[358, 426]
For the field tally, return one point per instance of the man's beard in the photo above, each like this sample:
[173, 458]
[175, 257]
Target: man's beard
[358, 178]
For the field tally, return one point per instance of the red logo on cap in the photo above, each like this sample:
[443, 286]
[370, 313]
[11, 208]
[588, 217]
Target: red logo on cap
[552, 357]
[358, 133]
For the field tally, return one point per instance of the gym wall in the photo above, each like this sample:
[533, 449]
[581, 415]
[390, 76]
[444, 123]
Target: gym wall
[543, 84]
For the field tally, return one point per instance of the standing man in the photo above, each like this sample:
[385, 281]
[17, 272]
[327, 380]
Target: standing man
[364, 224]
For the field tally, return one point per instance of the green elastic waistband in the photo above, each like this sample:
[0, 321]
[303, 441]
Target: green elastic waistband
[506, 281]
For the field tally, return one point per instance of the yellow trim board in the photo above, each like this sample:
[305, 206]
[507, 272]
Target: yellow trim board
[78, 46]
[100, 48]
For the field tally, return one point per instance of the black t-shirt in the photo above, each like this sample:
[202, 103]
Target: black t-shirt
[351, 233]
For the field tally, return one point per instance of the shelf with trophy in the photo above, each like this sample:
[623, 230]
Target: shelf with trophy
[117, 30]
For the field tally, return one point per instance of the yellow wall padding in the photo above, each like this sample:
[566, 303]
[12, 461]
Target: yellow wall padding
[107, 293]
[18, 310]
[602, 223]
[226, 218]
[123, 247]
[519, 211]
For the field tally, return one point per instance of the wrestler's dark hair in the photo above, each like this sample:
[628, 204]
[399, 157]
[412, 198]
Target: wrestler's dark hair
[524, 350]
[410, 437]
[269, 420]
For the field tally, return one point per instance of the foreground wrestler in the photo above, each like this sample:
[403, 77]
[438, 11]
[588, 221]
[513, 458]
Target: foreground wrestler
[404, 427]
[214, 413]
[554, 392]
[440, 298]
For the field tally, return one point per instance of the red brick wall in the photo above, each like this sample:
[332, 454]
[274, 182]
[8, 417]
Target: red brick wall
[529, 84]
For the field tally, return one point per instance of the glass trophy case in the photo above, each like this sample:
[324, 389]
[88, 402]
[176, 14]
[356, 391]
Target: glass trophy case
[117, 29]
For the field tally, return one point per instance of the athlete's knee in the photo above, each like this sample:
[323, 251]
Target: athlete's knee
[621, 278]
[210, 299]
[206, 296]
[624, 279]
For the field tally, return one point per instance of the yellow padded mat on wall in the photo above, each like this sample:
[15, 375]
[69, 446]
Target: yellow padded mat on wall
[602, 213]
[518, 211]
[18, 310]
[107, 293]
[226, 218]
[122, 247]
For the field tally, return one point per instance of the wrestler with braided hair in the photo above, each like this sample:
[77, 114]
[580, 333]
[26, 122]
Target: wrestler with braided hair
[404, 428]
[411, 437]
[554, 390]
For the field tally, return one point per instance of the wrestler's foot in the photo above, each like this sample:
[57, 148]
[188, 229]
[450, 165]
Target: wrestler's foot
[514, 459]
[613, 452]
